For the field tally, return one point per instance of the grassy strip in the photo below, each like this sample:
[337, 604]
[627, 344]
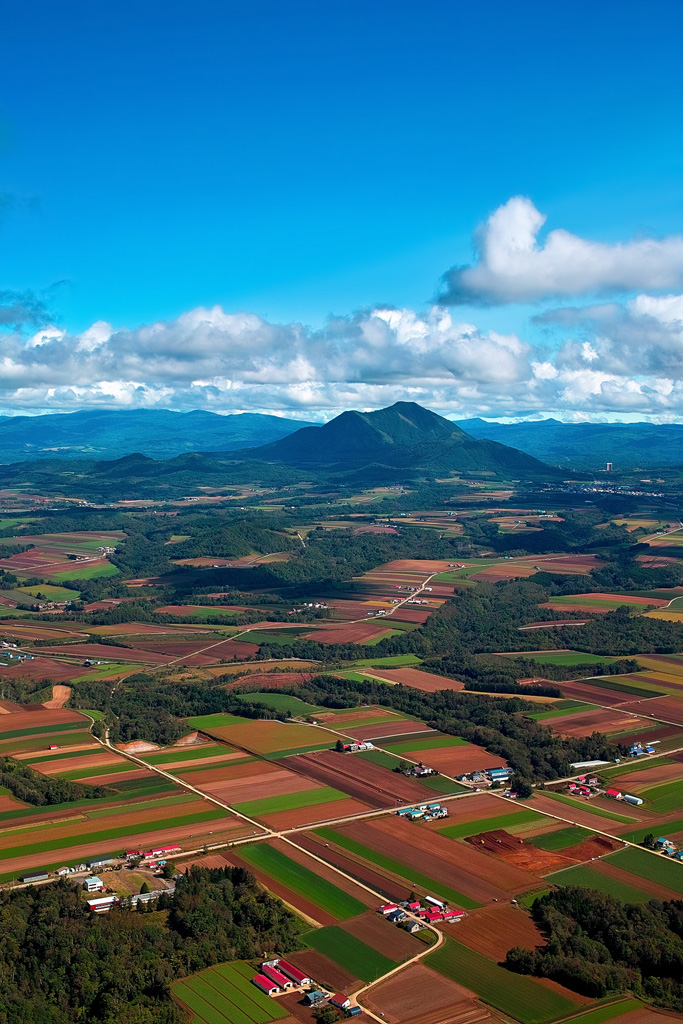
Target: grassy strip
[350, 953]
[112, 833]
[442, 785]
[647, 865]
[521, 997]
[290, 801]
[40, 758]
[302, 881]
[428, 743]
[541, 716]
[397, 868]
[104, 769]
[190, 768]
[599, 811]
[473, 828]
[637, 765]
[277, 755]
[561, 840]
[392, 661]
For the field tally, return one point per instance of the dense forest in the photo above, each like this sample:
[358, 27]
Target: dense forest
[59, 964]
[599, 946]
[33, 788]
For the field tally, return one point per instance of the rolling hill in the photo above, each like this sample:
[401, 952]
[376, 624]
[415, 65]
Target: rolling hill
[158, 433]
[404, 436]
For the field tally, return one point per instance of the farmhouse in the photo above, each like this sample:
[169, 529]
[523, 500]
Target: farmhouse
[340, 1000]
[93, 884]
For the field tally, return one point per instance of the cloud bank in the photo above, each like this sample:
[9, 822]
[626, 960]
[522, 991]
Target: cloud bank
[513, 267]
[618, 357]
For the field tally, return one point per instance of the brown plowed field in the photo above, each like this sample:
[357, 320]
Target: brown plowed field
[266, 736]
[663, 732]
[8, 803]
[453, 864]
[31, 631]
[425, 681]
[393, 727]
[42, 668]
[378, 933]
[337, 858]
[8, 708]
[370, 783]
[596, 847]
[317, 813]
[270, 680]
[237, 791]
[72, 763]
[418, 990]
[587, 722]
[648, 776]
[111, 778]
[514, 850]
[26, 719]
[458, 760]
[340, 720]
[591, 694]
[579, 815]
[105, 653]
[405, 614]
[669, 708]
[645, 1015]
[493, 930]
[323, 970]
[232, 649]
[60, 695]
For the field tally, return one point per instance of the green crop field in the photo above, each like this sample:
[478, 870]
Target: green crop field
[604, 1013]
[86, 572]
[51, 593]
[521, 997]
[225, 995]
[473, 828]
[290, 801]
[39, 730]
[647, 865]
[102, 671]
[585, 875]
[120, 767]
[555, 712]
[427, 743]
[302, 881]
[218, 720]
[600, 811]
[664, 798]
[565, 658]
[373, 641]
[562, 839]
[61, 756]
[379, 757]
[637, 765]
[350, 953]
[395, 866]
[281, 702]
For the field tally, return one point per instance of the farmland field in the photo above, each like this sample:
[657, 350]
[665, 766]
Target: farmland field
[523, 816]
[655, 869]
[281, 702]
[302, 880]
[350, 953]
[588, 876]
[523, 998]
[225, 995]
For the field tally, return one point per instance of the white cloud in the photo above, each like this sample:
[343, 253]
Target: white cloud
[514, 267]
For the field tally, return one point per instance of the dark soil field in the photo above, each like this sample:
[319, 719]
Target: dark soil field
[493, 930]
[456, 865]
[318, 813]
[420, 994]
[375, 931]
[323, 970]
[270, 680]
[455, 761]
[362, 780]
[513, 850]
[102, 652]
[592, 694]
[42, 668]
[392, 727]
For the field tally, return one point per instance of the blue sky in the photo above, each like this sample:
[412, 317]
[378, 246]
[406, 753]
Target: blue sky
[300, 160]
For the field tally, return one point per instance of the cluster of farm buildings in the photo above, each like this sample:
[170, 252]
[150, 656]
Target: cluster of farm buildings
[277, 976]
[423, 812]
[487, 777]
[404, 914]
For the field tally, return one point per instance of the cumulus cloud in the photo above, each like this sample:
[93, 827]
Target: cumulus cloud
[513, 266]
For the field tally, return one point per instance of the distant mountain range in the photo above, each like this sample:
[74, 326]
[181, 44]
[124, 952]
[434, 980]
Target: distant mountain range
[354, 449]
[110, 434]
[588, 445]
[404, 436]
